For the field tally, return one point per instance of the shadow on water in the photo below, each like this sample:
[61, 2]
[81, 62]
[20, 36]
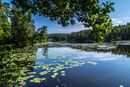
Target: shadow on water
[122, 49]
[119, 50]
[45, 51]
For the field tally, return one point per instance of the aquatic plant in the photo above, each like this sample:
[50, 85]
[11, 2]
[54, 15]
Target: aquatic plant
[37, 80]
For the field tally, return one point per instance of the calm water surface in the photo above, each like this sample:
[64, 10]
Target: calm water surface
[75, 68]
[67, 67]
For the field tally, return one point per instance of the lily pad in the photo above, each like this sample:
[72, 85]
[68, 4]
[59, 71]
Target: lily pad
[37, 80]
[22, 78]
[22, 82]
[43, 73]
[32, 73]
[35, 67]
[54, 75]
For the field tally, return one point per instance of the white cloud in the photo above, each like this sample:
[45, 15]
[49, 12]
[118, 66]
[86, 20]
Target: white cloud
[121, 20]
[69, 29]
[116, 22]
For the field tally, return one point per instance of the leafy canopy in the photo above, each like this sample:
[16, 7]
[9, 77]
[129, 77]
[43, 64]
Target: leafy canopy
[90, 12]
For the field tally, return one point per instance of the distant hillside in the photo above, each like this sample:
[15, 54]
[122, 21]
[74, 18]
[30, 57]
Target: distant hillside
[118, 33]
[57, 37]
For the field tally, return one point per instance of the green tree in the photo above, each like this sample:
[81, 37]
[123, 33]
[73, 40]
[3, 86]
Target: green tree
[4, 21]
[58, 37]
[89, 12]
[22, 27]
[98, 19]
[83, 36]
[42, 33]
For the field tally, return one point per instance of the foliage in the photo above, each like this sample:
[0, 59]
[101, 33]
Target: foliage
[17, 27]
[100, 21]
[80, 37]
[83, 36]
[40, 35]
[57, 37]
[22, 27]
[4, 22]
[117, 33]
[90, 12]
[121, 32]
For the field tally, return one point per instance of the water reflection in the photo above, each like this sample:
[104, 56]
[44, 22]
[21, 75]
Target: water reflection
[63, 60]
[56, 65]
[59, 60]
[45, 51]
[119, 50]
[123, 50]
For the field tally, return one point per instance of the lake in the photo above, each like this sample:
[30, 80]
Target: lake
[67, 67]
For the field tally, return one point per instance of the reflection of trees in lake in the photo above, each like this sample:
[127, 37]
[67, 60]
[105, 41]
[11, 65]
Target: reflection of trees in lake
[14, 65]
[122, 49]
[45, 51]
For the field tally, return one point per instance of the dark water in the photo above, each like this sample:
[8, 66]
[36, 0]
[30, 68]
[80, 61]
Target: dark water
[67, 67]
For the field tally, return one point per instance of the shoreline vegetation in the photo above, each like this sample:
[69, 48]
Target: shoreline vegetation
[97, 46]
[117, 47]
[82, 46]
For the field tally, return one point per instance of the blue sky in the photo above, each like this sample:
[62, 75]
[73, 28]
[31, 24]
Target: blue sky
[120, 16]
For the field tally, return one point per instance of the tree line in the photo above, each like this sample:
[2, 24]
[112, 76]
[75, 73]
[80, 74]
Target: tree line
[117, 33]
[57, 37]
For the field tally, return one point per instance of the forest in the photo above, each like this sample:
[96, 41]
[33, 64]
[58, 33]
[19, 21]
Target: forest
[117, 33]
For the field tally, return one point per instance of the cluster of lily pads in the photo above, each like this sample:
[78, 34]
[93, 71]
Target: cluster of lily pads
[55, 68]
